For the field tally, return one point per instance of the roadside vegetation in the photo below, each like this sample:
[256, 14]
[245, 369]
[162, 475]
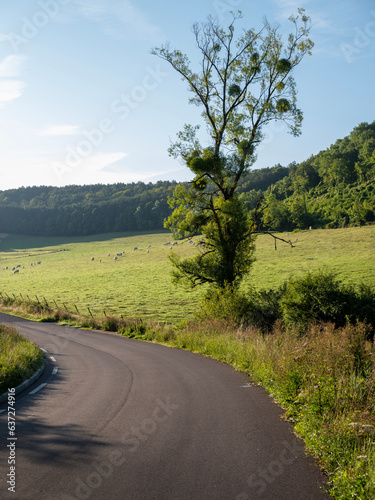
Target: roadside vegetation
[19, 358]
[321, 373]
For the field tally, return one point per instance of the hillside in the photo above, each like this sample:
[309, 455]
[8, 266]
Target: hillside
[334, 188]
[99, 208]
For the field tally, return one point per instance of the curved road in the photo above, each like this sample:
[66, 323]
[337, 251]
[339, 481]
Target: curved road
[123, 419]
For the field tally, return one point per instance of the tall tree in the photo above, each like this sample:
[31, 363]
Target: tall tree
[243, 84]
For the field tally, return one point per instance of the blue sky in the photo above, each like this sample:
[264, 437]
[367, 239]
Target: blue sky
[83, 101]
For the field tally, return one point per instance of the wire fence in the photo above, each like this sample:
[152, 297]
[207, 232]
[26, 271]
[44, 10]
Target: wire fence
[50, 304]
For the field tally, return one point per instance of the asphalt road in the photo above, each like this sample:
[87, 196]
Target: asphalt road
[123, 419]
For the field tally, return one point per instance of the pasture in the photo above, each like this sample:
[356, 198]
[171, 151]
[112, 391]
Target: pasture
[138, 284]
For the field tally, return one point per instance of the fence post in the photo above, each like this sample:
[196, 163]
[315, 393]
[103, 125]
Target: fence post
[76, 308]
[90, 312]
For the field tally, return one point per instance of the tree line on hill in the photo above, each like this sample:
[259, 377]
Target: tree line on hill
[335, 188]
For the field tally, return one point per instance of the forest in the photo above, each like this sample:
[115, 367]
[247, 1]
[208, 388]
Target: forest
[334, 188]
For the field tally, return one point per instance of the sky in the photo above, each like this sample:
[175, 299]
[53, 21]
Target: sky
[83, 100]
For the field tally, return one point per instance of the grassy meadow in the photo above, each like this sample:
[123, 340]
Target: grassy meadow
[138, 283]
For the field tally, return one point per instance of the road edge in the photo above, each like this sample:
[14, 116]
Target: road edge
[26, 383]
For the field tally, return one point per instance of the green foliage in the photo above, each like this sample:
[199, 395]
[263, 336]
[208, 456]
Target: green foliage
[283, 105]
[226, 252]
[283, 66]
[225, 304]
[320, 297]
[334, 188]
[264, 311]
[315, 297]
[83, 210]
[276, 214]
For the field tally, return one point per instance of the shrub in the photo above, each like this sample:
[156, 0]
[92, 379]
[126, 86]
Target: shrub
[264, 309]
[225, 303]
[321, 298]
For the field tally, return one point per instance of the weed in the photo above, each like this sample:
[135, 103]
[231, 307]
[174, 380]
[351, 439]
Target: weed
[19, 358]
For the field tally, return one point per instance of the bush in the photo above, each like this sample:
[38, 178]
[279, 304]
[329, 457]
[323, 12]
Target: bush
[259, 309]
[264, 309]
[225, 303]
[321, 298]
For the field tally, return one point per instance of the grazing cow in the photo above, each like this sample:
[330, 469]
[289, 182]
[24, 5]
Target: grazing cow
[115, 258]
[119, 254]
[135, 248]
[16, 271]
[92, 258]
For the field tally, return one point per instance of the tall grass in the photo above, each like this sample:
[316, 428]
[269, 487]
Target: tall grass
[19, 358]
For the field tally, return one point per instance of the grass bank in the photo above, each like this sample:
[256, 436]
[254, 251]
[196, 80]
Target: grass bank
[19, 358]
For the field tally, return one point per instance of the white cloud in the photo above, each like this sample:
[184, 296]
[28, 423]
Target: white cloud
[11, 66]
[100, 161]
[10, 90]
[289, 7]
[59, 130]
[88, 170]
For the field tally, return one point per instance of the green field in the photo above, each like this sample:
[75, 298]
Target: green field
[138, 283]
